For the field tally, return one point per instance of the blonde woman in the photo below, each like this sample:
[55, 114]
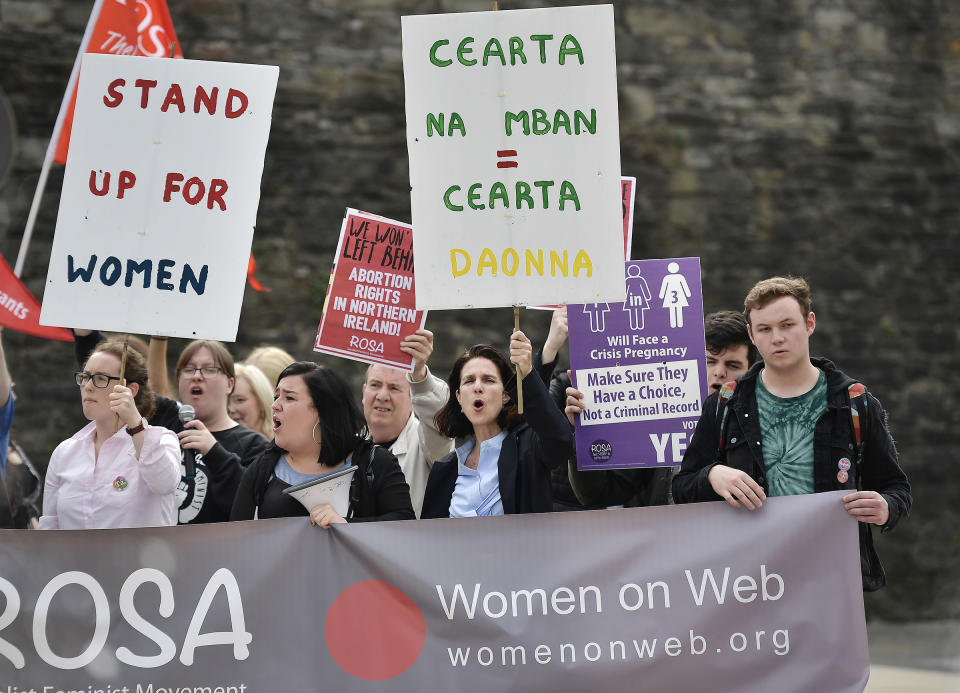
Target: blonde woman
[271, 360]
[251, 400]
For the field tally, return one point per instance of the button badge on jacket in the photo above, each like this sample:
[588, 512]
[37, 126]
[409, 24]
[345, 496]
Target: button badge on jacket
[120, 484]
[844, 465]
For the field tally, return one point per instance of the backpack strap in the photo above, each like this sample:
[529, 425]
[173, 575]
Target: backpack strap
[858, 418]
[355, 485]
[369, 469]
[726, 392]
[264, 471]
[858, 400]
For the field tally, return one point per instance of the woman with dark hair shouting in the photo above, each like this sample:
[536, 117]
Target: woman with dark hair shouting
[318, 428]
[504, 466]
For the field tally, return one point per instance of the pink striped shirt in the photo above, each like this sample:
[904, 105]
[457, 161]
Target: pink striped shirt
[114, 489]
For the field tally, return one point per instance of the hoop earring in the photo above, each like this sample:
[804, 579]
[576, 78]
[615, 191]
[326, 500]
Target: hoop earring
[313, 433]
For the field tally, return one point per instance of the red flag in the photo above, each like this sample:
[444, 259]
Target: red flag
[121, 27]
[20, 311]
[252, 280]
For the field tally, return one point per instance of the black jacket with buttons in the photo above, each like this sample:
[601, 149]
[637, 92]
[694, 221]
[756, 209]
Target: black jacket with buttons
[833, 440]
[543, 441]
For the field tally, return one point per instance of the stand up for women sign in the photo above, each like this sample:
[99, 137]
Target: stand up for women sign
[514, 150]
[160, 196]
[640, 366]
[369, 307]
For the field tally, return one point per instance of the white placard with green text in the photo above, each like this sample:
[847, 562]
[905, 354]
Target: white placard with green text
[514, 150]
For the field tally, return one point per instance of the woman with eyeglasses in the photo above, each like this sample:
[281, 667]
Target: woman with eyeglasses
[117, 471]
[216, 449]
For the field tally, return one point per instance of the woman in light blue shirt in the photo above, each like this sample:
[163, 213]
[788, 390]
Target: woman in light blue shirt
[504, 466]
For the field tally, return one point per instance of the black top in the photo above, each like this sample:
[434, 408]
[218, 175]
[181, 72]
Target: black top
[557, 383]
[208, 496]
[386, 498]
[833, 441]
[590, 490]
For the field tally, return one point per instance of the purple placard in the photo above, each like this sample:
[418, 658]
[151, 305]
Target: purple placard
[640, 365]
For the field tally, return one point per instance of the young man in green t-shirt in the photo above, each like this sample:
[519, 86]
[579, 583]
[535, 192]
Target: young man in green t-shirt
[788, 428]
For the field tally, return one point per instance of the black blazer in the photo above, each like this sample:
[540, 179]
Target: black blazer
[531, 449]
[387, 498]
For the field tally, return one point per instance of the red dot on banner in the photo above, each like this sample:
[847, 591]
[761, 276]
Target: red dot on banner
[374, 631]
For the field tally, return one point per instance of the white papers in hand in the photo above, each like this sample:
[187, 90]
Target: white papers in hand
[332, 488]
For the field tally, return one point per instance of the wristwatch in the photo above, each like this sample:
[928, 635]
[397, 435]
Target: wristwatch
[139, 427]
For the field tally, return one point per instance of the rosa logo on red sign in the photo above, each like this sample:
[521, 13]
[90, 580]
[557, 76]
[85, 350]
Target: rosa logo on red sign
[366, 344]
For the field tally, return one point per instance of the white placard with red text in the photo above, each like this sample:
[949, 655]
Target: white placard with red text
[160, 196]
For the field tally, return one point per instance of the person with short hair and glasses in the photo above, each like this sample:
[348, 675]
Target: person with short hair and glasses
[221, 447]
[118, 470]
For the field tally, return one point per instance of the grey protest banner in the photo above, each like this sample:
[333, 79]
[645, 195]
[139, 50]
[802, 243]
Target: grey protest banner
[697, 597]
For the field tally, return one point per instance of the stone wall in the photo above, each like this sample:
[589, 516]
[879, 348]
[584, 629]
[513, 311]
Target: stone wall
[813, 137]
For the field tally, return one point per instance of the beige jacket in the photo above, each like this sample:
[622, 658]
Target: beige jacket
[420, 444]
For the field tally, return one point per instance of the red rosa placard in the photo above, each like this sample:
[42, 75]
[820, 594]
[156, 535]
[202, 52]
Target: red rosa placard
[371, 299]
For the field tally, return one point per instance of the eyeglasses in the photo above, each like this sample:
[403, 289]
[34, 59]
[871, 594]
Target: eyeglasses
[100, 380]
[206, 371]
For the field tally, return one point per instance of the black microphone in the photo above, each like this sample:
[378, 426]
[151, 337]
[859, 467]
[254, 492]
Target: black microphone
[187, 414]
